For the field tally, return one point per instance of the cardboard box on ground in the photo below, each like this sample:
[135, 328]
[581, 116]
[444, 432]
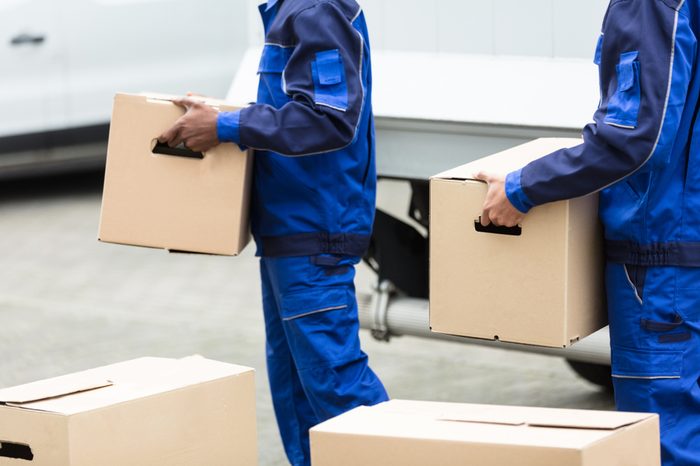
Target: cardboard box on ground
[144, 412]
[541, 284]
[173, 199]
[417, 433]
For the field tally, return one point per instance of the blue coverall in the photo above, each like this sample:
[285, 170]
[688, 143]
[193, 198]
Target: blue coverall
[313, 207]
[643, 153]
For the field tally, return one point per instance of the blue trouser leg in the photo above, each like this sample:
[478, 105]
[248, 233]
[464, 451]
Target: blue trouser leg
[317, 368]
[654, 332]
[292, 410]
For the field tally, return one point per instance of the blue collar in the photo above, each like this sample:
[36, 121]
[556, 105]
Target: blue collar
[271, 4]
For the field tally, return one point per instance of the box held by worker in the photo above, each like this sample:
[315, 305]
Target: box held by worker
[540, 283]
[416, 433]
[172, 198]
[144, 412]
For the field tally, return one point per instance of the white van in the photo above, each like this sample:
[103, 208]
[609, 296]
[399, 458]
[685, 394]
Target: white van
[62, 61]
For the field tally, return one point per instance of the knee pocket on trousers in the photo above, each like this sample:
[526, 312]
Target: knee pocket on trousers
[314, 301]
[648, 381]
[646, 364]
[321, 326]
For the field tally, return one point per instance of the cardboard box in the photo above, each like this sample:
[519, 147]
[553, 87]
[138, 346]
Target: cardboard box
[145, 412]
[160, 198]
[542, 287]
[415, 433]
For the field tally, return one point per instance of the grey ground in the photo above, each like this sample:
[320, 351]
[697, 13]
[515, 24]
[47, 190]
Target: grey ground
[69, 303]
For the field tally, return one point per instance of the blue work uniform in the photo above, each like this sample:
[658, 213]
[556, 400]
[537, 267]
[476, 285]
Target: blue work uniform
[312, 207]
[642, 152]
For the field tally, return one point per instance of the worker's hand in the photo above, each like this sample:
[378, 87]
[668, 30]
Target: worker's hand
[497, 208]
[196, 129]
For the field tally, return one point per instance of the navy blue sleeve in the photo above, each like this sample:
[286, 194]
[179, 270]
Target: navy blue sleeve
[646, 61]
[324, 81]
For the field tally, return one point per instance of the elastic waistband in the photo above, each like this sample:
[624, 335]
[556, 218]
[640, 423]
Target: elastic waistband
[311, 244]
[675, 254]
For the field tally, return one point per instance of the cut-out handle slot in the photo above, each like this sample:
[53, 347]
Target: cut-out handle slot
[497, 230]
[178, 151]
[18, 451]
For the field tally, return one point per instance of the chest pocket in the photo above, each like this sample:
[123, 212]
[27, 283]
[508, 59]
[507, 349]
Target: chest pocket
[272, 64]
[597, 58]
[330, 87]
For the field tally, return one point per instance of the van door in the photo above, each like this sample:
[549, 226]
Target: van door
[163, 46]
[32, 84]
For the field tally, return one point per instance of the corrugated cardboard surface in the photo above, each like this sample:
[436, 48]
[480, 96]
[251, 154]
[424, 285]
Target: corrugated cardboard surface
[190, 411]
[412, 433]
[170, 202]
[544, 287]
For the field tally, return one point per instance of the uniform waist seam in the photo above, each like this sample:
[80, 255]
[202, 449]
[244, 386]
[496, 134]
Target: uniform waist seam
[675, 253]
[311, 244]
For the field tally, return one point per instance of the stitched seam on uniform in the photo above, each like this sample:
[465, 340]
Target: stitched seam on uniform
[677, 8]
[668, 97]
[357, 15]
[333, 308]
[634, 288]
[304, 10]
[330, 106]
[646, 378]
[273, 44]
[611, 123]
[284, 82]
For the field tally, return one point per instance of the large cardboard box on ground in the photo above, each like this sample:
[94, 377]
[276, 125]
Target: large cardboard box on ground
[543, 286]
[416, 433]
[145, 412]
[172, 199]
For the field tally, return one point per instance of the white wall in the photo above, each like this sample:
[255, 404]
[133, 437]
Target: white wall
[549, 28]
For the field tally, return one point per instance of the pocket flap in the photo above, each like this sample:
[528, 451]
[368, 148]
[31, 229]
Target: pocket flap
[625, 70]
[274, 59]
[313, 301]
[329, 67]
[646, 364]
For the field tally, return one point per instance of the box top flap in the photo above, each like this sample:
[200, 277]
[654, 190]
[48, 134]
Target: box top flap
[155, 96]
[513, 425]
[52, 388]
[580, 419]
[509, 160]
[522, 415]
[546, 417]
[128, 381]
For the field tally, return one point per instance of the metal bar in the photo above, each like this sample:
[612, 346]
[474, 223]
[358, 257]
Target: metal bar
[410, 317]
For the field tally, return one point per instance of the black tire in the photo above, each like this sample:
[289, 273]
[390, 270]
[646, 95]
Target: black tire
[597, 374]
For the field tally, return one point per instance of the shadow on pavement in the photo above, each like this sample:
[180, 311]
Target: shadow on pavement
[51, 186]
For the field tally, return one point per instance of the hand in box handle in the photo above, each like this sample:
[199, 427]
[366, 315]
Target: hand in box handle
[497, 230]
[178, 151]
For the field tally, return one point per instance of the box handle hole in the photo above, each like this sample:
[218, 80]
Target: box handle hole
[17, 451]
